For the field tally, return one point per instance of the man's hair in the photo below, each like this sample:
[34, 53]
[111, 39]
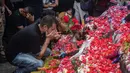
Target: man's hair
[29, 10]
[47, 12]
[49, 20]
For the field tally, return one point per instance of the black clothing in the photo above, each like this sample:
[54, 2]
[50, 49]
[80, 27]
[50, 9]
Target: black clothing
[78, 0]
[15, 20]
[17, 5]
[27, 40]
[37, 5]
[64, 5]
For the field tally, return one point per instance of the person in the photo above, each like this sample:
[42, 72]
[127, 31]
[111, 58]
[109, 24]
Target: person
[63, 27]
[79, 13]
[49, 4]
[3, 8]
[37, 5]
[24, 48]
[44, 13]
[2, 59]
[18, 20]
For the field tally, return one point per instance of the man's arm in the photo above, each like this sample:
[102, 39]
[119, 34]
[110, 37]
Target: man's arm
[44, 47]
[9, 11]
[20, 27]
[51, 5]
[46, 5]
[55, 4]
[49, 37]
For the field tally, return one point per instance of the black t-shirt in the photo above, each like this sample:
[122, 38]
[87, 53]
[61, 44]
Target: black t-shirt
[32, 2]
[27, 40]
[16, 19]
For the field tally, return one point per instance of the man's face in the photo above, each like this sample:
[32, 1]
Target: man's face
[48, 30]
[24, 12]
[52, 28]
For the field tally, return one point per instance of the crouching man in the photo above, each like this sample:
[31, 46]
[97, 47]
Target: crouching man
[24, 48]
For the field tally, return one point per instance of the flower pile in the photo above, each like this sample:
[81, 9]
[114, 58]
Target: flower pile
[111, 39]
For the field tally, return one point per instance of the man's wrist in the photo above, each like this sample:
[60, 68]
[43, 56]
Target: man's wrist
[48, 40]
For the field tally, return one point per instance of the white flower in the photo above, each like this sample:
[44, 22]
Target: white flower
[128, 67]
[59, 72]
[83, 68]
[65, 70]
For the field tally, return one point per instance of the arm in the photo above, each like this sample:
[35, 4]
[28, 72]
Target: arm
[49, 37]
[46, 5]
[9, 11]
[44, 47]
[55, 4]
[20, 27]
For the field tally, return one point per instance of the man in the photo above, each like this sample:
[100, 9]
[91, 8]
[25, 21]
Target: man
[24, 48]
[18, 20]
[2, 58]
[2, 23]
[37, 5]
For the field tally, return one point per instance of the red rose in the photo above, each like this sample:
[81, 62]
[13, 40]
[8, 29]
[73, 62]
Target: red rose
[75, 20]
[76, 27]
[66, 19]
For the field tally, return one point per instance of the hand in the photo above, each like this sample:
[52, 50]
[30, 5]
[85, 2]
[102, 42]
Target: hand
[51, 36]
[30, 17]
[52, 5]
[57, 35]
[10, 12]
[62, 26]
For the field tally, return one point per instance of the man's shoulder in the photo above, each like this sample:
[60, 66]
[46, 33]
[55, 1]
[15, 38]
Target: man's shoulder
[27, 31]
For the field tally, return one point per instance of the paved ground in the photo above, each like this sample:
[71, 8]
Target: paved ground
[6, 68]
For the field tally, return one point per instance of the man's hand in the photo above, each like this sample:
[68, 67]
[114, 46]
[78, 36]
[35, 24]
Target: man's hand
[51, 36]
[57, 35]
[52, 5]
[46, 5]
